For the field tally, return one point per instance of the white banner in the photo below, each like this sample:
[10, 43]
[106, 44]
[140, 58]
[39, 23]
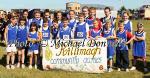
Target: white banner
[76, 55]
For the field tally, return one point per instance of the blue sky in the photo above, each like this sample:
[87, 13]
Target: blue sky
[60, 4]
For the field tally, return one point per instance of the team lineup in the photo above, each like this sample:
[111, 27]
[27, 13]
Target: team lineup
[23, 36]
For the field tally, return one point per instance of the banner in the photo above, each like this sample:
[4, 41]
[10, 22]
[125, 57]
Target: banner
[76, 55]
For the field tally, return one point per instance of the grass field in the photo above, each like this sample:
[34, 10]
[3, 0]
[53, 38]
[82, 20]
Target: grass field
[26, 73]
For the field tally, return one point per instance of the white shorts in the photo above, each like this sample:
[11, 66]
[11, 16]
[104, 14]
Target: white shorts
[11, 48]
[33, 51]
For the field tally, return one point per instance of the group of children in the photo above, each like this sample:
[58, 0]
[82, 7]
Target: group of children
[31, 32]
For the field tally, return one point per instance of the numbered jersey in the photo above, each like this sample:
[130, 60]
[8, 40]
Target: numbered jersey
[65, 33]
[80, 31]
[46, 33]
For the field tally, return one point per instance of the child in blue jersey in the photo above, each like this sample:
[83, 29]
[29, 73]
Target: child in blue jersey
[122, 55]
[59, 19]
[94, 32]
[81, 30]
[47, 15]
[21, 40]
[110, 35]
[10, 36]
[139, 46]
[55, 29]
[33, 39]
[65, 32]
[37, 19]
[72, 19]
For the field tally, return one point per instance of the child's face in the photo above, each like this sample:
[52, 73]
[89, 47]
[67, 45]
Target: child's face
[72, 15]
[33, 28]
[107, 12]
[120, 26]
[47, 15]
[59, 16]
[22, 22]
[52, 16]
[85, 12]
[108, 24]
[45, 24]
[95, 24]
[92, 13]
[81, 19]
[37, 15]
[25, 14]
[13, 20]
[125, 16]
[55, 25]
[65, 23]
[139, 28]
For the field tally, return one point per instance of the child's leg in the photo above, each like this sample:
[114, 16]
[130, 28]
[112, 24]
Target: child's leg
[23, 56]
[118, 59]
[125, 57]
[35, 57]
[30, 59]
[12, 58]
[8, 57]
[19, 56]
[144, 62]
[134, 60]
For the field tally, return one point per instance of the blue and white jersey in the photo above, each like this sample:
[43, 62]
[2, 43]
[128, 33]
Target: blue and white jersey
[111, 18]
[80, 31]
[122, 39]
[46, 33]
[22, 33]
[65, 33]
[12, 34]
[128, 26]
[33, 36]
[39, 22]
[139, 47]
[72, 23]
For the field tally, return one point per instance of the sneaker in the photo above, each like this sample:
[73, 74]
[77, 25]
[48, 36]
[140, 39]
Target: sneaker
[145, 70]
[118, 69]
[127, 70]
[110, 69]
[12, 67]
[30, 66]
[7, 66]
[18, 65]
[35, 66]
[133, 68]
[22, 66]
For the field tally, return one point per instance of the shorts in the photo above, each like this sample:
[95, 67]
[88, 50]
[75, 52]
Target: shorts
[11, 48]
[33, 51]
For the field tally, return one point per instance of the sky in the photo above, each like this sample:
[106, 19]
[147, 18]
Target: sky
[60, 4]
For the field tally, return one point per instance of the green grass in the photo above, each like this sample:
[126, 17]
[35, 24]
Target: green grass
[26, 73]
